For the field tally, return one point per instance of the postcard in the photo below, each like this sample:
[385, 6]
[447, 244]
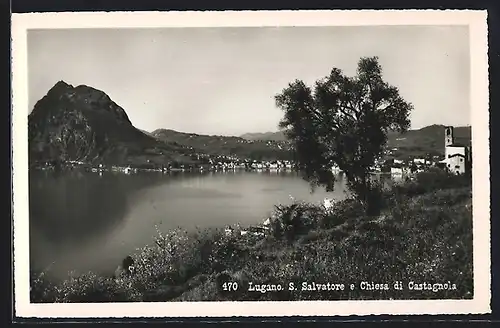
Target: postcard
[250, 163]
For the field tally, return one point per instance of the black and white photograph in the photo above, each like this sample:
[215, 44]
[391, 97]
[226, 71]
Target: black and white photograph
[251, 163]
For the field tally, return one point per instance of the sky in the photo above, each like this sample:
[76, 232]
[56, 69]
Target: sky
[222, 81]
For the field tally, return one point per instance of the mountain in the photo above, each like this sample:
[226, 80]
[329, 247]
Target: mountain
[266, 136]
[146, 132]
[224, 145]
[82, 123]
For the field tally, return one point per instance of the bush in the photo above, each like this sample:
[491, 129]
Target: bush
[431, 180]
[341, 211]
[82, 288]
[289, 221]
[41, 288]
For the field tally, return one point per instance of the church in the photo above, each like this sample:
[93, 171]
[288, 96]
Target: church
[457, 157]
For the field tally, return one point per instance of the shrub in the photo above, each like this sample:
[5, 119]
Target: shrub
[41, 288]
[431, 180]
[83, 288]
[289, 221]
[341, 211]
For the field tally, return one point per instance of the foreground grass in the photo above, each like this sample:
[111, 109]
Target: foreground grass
[424, 235]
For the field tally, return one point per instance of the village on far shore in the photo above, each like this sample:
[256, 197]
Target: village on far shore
[457, 159]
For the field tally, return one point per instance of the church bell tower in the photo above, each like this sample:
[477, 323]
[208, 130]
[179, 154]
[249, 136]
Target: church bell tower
[448, 136]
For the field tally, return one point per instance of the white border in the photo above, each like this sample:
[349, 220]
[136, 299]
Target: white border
[476, 20]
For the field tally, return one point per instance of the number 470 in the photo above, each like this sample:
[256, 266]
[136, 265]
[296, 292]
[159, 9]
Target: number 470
[230, 286]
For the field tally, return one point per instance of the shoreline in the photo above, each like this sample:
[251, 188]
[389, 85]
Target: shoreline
[132, 170]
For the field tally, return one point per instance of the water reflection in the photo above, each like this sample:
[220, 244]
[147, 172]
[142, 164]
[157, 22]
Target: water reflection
[71, 207]
[71, 210]
[86, 221]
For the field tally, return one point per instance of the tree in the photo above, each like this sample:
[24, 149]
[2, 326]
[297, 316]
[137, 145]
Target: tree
[343, 121]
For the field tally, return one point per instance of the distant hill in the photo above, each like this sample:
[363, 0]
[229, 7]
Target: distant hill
[418, 142]
[266, 136]
[429, 139]
[224, 145]
[82, 123]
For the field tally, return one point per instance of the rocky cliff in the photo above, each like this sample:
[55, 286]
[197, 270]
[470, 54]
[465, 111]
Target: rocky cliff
[82, 123]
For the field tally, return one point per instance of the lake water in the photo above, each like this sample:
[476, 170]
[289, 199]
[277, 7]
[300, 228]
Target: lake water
[86, 221]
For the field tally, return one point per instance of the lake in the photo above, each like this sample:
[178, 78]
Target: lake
[81, 221]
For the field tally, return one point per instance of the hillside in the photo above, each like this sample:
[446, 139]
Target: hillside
[83, 124]
[266, 136]
[419, 142]
[429, 139]
[224, 145]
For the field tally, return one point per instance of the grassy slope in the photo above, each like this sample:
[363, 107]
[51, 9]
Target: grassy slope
[423, 235]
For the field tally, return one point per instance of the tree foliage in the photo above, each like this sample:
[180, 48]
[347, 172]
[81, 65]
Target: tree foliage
[343, 121]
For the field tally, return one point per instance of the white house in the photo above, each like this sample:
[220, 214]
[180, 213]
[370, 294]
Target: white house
[400, 171]
[396, 171]
[328, 203]
[419, 161]
[456, 156]
[335, 169]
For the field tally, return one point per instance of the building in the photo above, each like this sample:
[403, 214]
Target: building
[457, 156]
[396, 171]
[419, 161]
[400, 171]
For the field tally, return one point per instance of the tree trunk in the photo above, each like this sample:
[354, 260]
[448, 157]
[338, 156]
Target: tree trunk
[370, 198]
[373, 206]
